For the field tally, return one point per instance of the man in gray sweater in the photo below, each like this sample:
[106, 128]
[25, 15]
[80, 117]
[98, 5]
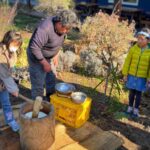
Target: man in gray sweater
[43, 51]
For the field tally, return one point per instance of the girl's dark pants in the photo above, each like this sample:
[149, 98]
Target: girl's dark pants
[135, 95]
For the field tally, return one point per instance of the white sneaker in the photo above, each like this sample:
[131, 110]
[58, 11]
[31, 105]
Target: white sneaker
[14, 126]
[130, 109]
[136, 112]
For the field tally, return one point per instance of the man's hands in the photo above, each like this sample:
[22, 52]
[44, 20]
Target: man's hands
[46, 65]
[15, 94]
[54, 64]
[50, 66]
[55, 60]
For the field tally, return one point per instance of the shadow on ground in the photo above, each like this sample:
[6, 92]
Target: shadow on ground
[104, 118]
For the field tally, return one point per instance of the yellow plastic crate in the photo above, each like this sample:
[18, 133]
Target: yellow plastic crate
[66, 111]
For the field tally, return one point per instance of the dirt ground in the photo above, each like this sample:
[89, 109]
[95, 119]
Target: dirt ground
[134, 132]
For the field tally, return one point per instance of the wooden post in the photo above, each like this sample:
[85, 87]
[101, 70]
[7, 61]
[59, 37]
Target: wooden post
[37, 106]
[25, 98]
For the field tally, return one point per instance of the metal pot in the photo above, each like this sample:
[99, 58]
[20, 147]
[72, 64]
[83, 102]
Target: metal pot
[64, 88]
[78, 97]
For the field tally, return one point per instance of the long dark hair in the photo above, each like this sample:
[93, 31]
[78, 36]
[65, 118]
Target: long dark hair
[11, 36]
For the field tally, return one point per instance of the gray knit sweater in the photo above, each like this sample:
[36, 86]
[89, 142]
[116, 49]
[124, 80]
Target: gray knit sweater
[45, 42]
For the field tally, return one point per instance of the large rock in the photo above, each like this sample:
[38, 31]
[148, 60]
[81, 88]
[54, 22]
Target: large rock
[67, 61]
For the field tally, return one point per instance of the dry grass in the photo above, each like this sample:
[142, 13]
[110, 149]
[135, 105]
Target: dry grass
[7, 15]
[107, 33]
[50, 6]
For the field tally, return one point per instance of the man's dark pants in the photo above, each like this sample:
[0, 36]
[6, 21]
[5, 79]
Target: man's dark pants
[40, 79]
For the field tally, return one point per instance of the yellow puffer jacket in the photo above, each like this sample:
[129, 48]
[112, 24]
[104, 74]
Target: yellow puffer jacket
[137, 63]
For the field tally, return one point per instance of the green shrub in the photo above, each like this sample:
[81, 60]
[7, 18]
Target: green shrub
[22, 56]
[50, 6]
[109, 39]
[105, 32]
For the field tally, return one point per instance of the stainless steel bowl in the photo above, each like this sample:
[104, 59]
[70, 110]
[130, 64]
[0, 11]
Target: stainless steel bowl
[64, 88]
[78, 97]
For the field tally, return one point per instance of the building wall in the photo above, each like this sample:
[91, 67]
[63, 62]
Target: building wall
[78, 1]
[33, 2]
[143, 4]
[102, 2]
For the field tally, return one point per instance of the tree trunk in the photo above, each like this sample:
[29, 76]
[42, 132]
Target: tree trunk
[117, 8]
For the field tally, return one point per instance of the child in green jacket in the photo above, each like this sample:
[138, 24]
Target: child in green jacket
[136, 71]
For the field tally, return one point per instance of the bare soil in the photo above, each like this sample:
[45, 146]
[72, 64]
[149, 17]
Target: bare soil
[135, 132]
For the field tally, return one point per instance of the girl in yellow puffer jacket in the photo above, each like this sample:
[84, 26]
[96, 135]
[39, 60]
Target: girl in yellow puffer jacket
[136, 71]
